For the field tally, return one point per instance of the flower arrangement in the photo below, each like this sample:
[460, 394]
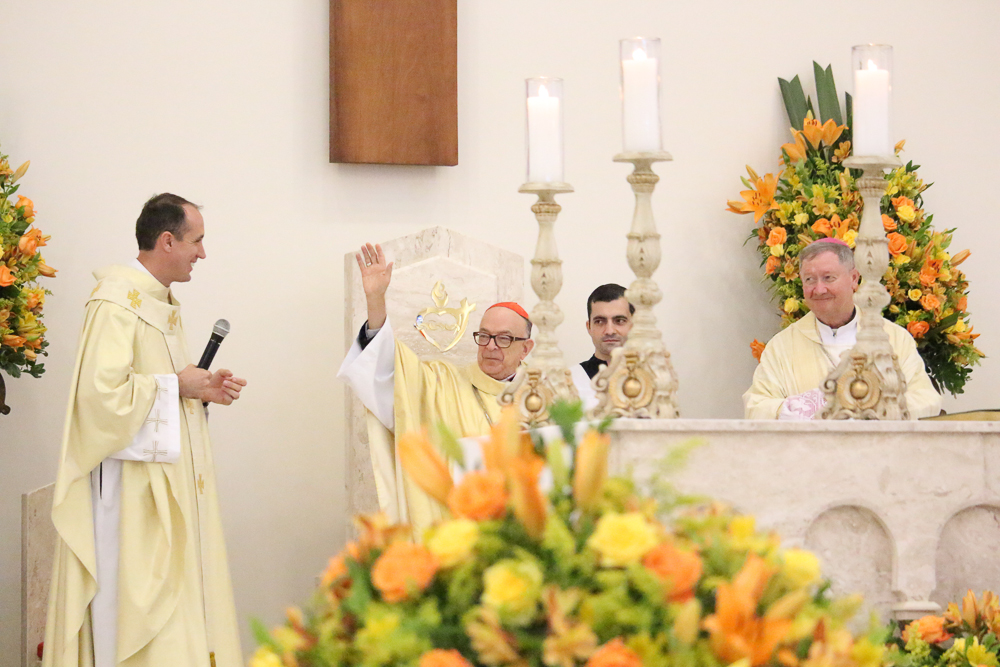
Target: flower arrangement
[965, 637]
[22, 334]
[586, 574]
[816, 197]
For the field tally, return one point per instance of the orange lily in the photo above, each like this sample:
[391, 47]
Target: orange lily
[735, 631]
[46, 270]
[827, 132]
[13, 341]
[960, 257]
[528, 501]
[832, 131]
[591, 468]
[425, 466]
[757, 348]
[760, 200]
[795, 151]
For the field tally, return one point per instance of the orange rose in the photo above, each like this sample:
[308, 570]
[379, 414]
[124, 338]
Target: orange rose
[888, 223]
[757, 348]
[680, 570]
[6, 276]
[823, 227]
[963, 303]
[442, 658]
[897, 244]
[615, 654]
[13, 341]
[918, 328]
[901, 201]
[772, 264]
[928, 274]
[929, 628]
[479, 496]
[29, 206]
[930, 302]
[777, 236]
[401, 569]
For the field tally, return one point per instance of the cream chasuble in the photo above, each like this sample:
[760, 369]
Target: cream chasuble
[422, 394]
[794, 361]
[172, 572]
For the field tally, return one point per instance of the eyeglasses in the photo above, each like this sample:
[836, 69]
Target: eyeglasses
[502, 340]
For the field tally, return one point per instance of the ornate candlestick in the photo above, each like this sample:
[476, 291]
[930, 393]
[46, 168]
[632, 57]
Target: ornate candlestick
[867, 383]
[546, 379]
[640, 380]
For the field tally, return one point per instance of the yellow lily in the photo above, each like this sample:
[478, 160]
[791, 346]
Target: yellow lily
[591, 468]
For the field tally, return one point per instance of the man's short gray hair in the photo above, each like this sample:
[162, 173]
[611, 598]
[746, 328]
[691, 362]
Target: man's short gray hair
[844, 253]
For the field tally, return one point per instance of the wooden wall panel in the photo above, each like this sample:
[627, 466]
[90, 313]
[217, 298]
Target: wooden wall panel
[394, 81]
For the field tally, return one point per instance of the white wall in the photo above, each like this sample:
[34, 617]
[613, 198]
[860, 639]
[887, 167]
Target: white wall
[226, 103]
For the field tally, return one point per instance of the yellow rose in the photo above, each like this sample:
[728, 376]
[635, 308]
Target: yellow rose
[791, 305]
[944, 274]
[800, 568]
[849, 237]
[960, 326]
[265, 657]
[452, 541]
[513, 588]
[778, 250]
[622, 539]
[901, 259]
[914, 294]
[906, 213]
[801, 218]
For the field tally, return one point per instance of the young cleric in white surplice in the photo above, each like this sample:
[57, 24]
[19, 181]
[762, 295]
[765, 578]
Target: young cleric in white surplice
[404, 394]
[609, 319]
[788, 382]
[140, 561]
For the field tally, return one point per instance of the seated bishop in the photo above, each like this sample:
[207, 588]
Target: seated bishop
[788, 382]
[404, 394]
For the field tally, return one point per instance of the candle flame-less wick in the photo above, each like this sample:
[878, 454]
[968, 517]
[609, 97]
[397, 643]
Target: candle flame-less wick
[542, 92]
[638, 54]
[872, 65]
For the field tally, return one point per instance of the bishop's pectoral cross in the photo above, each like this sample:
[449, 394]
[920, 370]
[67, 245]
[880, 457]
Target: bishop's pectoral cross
[156, 421]
[155, 451]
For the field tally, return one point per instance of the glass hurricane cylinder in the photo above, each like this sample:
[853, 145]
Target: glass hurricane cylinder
[872, 66]
[640, 69]
[544, 129]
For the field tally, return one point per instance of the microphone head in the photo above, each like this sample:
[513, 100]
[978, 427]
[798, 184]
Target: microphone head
[221, 328]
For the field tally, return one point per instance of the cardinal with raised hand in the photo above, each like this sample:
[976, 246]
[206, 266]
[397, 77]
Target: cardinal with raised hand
[404, 394]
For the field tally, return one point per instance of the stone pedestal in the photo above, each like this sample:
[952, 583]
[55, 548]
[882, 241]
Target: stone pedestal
[902, 512]
[38, 544]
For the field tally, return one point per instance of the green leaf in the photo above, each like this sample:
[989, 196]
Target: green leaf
[566, 415]
[849, 108]
[262, 636]
[449, 444]
[826, 94]
[361, 593]
[795, 101]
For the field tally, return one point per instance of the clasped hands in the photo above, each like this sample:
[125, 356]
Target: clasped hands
[220, 387]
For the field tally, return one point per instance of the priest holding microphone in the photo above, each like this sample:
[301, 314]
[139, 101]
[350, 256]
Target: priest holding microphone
[140, 574]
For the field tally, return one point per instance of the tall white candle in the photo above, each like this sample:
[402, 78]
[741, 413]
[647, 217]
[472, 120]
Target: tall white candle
[640, 102]
[871, 111]
[545, 150]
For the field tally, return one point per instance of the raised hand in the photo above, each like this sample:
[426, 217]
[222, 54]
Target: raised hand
[376, 275]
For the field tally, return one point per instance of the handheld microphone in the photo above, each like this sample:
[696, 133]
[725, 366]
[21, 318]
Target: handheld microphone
[219, 331]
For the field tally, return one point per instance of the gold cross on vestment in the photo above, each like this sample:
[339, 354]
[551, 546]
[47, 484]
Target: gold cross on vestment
[160, 389]
[133, 296]
[155, 451]
[172, 320]
[156, 421]
[96, 287]
[201, 484]
[191, 406]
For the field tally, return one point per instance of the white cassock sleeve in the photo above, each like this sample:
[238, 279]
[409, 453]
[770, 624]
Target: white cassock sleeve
[159, 439]
[371, 373]
[583, 387]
